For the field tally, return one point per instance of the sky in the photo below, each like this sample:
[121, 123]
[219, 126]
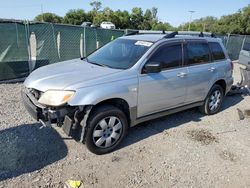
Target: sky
[174, 12]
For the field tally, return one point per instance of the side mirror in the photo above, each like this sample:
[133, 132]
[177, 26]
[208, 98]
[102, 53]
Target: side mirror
[152, 67]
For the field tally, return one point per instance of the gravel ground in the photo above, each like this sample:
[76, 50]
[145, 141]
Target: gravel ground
[186, 149]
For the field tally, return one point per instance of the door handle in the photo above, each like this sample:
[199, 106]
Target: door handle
[212, 69]
[182, 74]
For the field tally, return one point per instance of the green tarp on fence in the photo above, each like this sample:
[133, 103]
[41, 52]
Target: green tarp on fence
[13, 51]
[27, 46]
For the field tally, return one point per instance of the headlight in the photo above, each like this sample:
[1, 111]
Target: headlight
[55, 97]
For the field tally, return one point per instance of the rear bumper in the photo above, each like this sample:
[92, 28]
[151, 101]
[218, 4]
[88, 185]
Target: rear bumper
[229, 84]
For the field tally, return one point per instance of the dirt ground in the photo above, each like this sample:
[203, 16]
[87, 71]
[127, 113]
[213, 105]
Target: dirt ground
[186, 149]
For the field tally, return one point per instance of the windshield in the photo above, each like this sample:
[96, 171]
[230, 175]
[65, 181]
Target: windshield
[119, 54]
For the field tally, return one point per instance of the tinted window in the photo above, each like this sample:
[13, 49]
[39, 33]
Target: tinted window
[169, 56]
[217, 51]
[197, 53]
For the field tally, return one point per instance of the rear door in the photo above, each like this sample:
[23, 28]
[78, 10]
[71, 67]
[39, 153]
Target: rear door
[222, 64]
[166, 89]
[201, 70]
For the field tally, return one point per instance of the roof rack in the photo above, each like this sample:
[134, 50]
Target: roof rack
[192, 33]
[170, 34]
[142, 32]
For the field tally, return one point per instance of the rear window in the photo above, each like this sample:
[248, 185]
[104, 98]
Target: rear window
[197, 53]
[217, 51]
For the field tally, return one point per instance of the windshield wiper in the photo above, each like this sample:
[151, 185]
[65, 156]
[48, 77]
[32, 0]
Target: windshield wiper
[101, 65]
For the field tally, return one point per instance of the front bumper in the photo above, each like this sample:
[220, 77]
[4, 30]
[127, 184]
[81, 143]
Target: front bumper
[31, 105]
[62, 116]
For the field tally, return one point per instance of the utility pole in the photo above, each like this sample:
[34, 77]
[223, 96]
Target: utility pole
[42, 12]
[191, 14]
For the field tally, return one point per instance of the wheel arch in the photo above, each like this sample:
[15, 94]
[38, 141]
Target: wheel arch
[221, 83]
[120, 103]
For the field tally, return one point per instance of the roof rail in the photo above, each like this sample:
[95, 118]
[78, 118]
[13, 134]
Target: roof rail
[201, 34]
[194, 33]
[213, 35]
[142, 32]
[173, 34]
[132, 33]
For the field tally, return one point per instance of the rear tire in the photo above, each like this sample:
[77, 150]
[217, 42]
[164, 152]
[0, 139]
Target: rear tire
[106, 128]
[213, 101]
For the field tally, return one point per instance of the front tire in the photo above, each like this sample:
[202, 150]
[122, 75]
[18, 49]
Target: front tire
[213, 101]
[106, 128]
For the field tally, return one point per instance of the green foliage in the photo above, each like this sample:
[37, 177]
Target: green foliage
[48, 17]
[97, 5]
[76, 17]
[160, 26]
[237, 23]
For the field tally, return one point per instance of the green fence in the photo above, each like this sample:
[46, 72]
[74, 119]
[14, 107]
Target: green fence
[13, 51]
[25, 46]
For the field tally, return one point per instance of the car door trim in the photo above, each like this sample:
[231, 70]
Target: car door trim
[163, 113]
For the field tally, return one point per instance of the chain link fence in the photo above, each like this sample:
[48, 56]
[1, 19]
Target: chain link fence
[25, 46]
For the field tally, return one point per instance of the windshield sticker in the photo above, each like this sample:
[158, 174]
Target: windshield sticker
[144, 43]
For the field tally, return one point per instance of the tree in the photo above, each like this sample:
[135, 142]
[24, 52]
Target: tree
[202, 24]
[48, 17]
[160, 26]
[147, 20]
[76, 17]
[245, 19]
[136, 18]
[97, 5]
[123, 19]
[230, 24]
[99, 18]
[154, 14]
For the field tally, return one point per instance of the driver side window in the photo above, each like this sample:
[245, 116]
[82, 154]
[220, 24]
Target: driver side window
[168, 56]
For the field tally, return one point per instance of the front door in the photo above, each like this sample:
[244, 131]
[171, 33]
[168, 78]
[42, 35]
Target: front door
[167, 89]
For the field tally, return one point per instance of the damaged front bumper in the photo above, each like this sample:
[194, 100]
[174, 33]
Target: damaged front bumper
[68, 117]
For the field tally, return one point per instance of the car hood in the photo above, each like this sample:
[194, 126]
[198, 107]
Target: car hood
[59, 76]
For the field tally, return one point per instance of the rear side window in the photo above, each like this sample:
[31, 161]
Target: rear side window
[217, 51]
[169, 56]
[197, 53]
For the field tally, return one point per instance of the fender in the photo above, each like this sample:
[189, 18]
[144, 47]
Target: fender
[124, 89]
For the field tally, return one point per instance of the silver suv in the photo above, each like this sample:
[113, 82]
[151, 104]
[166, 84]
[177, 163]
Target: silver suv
[132, 79]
